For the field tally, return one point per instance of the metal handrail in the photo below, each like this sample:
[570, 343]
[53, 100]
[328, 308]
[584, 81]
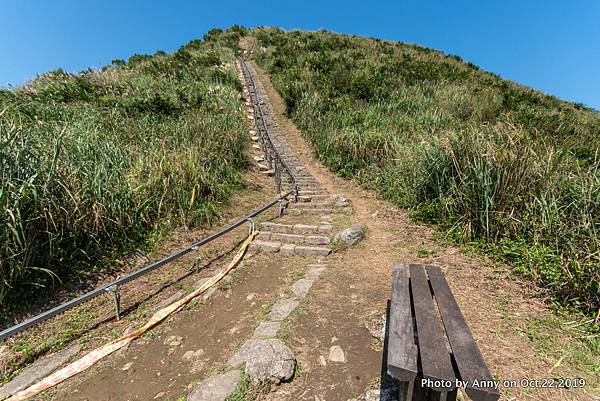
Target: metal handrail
[114, 286]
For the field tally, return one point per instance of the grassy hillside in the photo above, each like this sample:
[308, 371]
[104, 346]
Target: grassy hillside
[92, 164]
[496, 165]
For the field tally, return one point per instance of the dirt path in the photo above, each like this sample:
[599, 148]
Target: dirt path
[357, 289]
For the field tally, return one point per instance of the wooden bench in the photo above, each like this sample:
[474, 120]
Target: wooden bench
[426, 356]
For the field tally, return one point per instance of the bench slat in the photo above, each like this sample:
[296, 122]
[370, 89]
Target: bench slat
[468, 359]
[402, 350]
[435, 358]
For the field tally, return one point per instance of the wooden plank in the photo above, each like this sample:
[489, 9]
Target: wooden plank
[469, 360]
[402, 350]
[435, 358]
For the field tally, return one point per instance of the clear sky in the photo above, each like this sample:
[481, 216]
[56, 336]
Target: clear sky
[550, 45]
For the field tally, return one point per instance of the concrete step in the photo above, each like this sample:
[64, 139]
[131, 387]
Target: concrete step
[312, 205]
[306, 192]
[301, 229]
[291, 249]
[311, 212]
[265, 246]
[313, 198]
[294, 238]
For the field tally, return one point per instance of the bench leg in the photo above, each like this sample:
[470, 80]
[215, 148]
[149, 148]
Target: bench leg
[406, 391]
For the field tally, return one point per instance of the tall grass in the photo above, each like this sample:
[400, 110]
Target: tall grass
[495, 164]
[92, 163]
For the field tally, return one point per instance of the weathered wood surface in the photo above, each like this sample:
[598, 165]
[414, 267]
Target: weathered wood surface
[469, 360]
[402, 350]
[435, 359]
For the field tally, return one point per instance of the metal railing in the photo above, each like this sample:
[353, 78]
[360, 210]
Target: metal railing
[275, 161]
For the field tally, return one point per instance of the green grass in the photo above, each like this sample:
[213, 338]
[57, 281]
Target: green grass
[97, 163]
[492, 163]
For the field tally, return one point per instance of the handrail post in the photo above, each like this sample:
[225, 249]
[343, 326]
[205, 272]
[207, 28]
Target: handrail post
[252, 226]
[117, 298]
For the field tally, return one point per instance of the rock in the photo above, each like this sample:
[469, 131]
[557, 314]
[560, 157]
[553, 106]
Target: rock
[339, 200]
[191, 356]
[216, 388]
[384, 394]
[336, 354]
[173, 298]
[262, 167]
[266, 329]
[301, 287]
[315, 272]
[127, 366]
[351, 235]
[265, 360]
[322, 360]
[39, 369]
[209, 293]
[377, 327]
[283, 308]
[173, 341]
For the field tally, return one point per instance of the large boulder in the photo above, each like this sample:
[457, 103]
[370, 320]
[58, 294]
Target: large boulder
[265, 360]
[351, 235]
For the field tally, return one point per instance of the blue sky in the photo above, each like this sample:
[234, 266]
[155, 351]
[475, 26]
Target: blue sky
[551, 45]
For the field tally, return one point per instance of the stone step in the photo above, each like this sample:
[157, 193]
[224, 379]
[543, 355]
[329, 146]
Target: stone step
[265, 246]
[311, 212]
[291, 249]
[312, 205]
[313, 198]
[302, 229]
[306, 192]
[294, 238]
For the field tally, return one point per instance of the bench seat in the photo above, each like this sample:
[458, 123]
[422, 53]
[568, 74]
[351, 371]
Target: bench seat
[431, 350]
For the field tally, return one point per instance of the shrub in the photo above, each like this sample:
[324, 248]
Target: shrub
[494, 163]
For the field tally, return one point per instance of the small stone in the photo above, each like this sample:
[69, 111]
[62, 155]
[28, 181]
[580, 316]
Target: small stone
[250, 296]
[266, 329]
[159, 395]
[127, 366]
[314, 273]
[265, 360]
[191, 355]
[173, 341]
[209, 293]
[216, 388]
[383, 394]
[339, 200]
[255, 146]
[283, 308]
[262, 167]
[301, 287]
[258, 158]
[377, 327]
[336, 354]
[322, 360]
